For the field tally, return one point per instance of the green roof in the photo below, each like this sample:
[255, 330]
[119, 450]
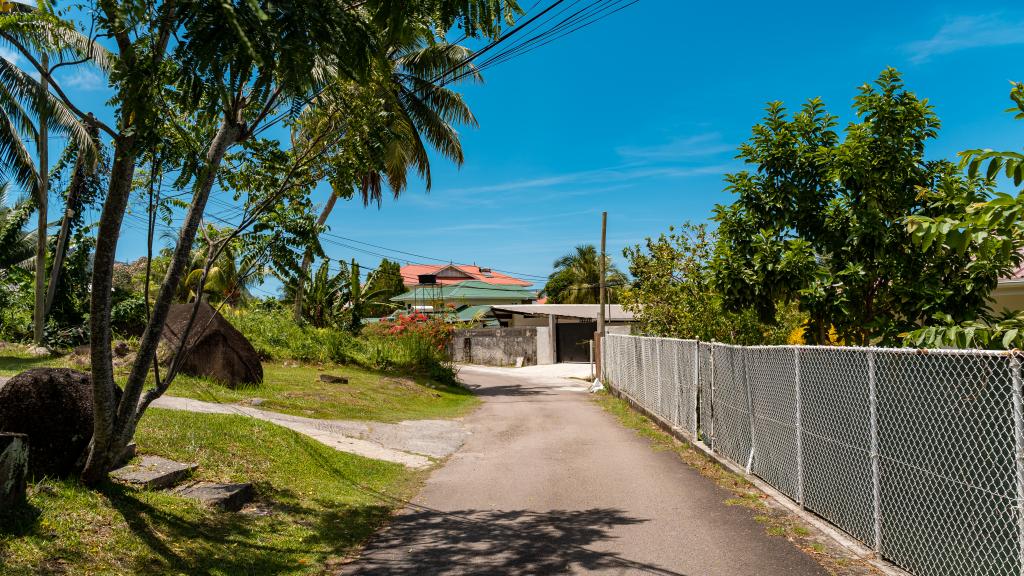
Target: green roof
[468, 290]
[468, 313]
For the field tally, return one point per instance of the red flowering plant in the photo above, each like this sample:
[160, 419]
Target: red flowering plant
[413, 342]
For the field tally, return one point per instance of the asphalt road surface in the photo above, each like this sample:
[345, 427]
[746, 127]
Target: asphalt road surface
[549, 483]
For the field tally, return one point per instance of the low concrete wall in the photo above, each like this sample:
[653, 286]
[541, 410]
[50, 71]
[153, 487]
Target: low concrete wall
[495, 346]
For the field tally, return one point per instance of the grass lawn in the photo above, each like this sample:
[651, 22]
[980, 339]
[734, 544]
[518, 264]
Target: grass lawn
[297, 389]
[315, 506]
[368, 395]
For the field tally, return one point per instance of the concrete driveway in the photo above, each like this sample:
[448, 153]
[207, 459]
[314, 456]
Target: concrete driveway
[548, 483]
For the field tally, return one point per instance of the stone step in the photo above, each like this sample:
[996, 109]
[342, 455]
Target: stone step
[13, 469]
[153, 473]
[229, 497]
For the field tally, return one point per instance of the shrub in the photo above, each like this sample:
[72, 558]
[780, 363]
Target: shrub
[412, 343]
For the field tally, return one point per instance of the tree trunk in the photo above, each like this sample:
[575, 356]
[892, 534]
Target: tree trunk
[121, 174]
[60, 251]
[307, 260]
[112, 433]
[42, 145]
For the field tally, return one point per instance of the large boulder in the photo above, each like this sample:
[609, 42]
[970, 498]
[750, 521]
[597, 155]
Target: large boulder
[214, 348]
[53, 406]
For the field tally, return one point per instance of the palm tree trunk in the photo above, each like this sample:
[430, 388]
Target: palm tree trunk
[65, 230]
[307, 260]
[42, 145]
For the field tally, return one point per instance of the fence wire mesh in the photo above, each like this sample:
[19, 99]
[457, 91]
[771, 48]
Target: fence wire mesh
[918, 455]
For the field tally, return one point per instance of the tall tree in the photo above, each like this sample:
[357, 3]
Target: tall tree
[384, 283]
[577, 278]
[393, 118]
[673, 294]
[31, 112]
[819, 221]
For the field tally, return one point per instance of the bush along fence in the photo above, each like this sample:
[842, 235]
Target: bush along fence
[917, 454]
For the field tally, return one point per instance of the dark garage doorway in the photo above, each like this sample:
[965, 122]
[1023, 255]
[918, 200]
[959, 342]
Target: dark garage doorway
[573, 341]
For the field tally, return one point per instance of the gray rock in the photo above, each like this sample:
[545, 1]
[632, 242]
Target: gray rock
[38, 351]
[224, 496]
[13, 469]
[330, 379]
[153, 473]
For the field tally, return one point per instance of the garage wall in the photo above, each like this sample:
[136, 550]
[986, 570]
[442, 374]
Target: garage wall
[495, 346]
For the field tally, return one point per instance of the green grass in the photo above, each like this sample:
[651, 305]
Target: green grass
[297, 389]
[315, 506]
[15, 360]
[292, 388]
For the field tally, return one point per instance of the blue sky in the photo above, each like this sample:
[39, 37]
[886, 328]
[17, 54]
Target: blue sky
[640, 115]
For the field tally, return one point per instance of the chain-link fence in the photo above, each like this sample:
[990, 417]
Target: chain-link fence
[919, 455]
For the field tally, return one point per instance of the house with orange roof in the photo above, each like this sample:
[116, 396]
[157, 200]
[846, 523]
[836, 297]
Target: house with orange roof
[456, 273]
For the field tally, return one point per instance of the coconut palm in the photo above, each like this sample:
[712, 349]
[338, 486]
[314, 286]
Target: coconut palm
[16, 245]
[29, 112]
[577, 278]
[393, 118]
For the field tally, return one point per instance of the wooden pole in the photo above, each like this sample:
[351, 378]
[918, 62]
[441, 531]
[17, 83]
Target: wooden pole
[601, 297]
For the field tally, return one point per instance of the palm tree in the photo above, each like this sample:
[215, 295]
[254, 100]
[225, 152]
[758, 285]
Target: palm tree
[394, 117]
[577, 278]
[16, 245]
[29, 112]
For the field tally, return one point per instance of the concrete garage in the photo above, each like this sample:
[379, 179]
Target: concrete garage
[538, 334]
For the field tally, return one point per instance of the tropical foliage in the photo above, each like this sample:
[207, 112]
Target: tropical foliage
[577, 277]
[819, 221]
[673, 293]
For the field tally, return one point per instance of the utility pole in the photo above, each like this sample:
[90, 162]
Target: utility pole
[601, 297]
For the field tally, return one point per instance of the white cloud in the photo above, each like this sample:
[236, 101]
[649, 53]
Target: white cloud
[84, 79]
[966, 32]
[624, 173]
[679, 149]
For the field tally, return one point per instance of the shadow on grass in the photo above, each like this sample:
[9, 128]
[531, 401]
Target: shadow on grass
[19, 521]
[238, 543]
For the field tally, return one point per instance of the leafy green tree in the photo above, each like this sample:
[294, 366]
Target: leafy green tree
[673, 293]
[819, 221]
[992, 234]
[384, 283]
[577, 278]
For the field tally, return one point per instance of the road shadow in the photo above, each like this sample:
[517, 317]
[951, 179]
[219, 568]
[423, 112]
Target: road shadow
[430, 542]
[513, 391]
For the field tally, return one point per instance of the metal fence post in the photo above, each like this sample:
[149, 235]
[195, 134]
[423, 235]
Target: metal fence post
[695, 411]
[799, 431]
[876, 489]
[1018, 434]
[711, 402]
[750, 405]
[657, 379]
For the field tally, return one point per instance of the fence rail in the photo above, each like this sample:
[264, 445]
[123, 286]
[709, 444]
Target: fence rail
[917, 455]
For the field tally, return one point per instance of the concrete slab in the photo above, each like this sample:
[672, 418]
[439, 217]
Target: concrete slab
[411, 443]
[153, 473]
[230, 497]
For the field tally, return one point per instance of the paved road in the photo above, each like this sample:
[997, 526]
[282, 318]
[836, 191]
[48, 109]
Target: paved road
[548, 483]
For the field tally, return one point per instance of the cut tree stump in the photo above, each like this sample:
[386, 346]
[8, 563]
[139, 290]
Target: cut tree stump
[153, 473]
[230, 497]
[13, 469]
